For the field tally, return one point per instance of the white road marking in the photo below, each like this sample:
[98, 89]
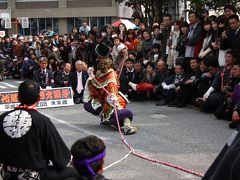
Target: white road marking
[74, 127]
[163, 124]
[19, 82]
[9, 85]
[3, 87]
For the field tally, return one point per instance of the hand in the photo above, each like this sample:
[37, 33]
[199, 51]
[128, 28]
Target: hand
[224, 34]
[189, 81]
[90, 72]
[52, 81]
[205, 96]
[65, 83]
[201, 55]
[215, 45]
[127, 43]
[178, 89]
[208, 74]
[235, 116]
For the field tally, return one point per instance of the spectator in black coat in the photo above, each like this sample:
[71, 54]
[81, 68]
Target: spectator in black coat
[77, 81]
[43, 76]
[231, 39]
[62, 76]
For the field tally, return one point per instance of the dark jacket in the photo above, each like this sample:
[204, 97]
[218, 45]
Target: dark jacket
[73, 80]
[60, 77]
[44, 80]
[232, 42]
[176, 80]
[226, 165]
[125, 78]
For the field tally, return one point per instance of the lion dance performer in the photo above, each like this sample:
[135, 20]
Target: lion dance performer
[102, 95]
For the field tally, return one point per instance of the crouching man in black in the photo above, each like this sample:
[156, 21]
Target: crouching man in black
[29, 141]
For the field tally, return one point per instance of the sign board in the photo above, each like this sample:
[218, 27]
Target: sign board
[2, 33]
[49, 98]
[7, 23]
[24, 21]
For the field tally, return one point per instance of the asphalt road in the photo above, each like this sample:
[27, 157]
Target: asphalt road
[184, 137]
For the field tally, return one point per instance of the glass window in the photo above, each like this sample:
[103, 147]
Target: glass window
[108, 20]
[49, 23]
[93, 21]
[101, 22]
[41, 25]
[70, 22]
[34, 26]
[55, 25]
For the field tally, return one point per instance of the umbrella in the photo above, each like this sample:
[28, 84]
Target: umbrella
[127, 23]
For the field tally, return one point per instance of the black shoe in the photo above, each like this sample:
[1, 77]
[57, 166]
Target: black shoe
[181, 105]
[78, 100]
[234, 124]
[161, 103]
[173, 103]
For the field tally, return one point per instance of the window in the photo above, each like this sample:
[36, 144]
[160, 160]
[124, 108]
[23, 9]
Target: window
[92, 21]
[40, 25]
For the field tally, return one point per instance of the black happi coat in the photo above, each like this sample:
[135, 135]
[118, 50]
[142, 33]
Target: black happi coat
[34, 142]
[227, 164]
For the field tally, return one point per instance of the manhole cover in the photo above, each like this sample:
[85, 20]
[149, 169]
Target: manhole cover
[157, 116]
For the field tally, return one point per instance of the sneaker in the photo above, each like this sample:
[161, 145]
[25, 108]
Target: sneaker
[130, 130]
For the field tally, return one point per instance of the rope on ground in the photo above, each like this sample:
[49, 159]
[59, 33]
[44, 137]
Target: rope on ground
[133, 152]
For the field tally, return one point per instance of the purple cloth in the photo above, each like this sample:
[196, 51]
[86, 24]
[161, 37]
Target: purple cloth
[122, 114]
[236, 94]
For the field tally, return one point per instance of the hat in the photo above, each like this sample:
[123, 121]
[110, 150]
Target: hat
[102, 50]
[120, 47]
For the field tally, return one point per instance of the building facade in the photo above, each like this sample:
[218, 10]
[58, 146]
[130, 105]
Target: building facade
[60, 15]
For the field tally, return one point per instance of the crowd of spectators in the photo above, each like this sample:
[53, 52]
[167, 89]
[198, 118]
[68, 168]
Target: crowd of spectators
[178, 63]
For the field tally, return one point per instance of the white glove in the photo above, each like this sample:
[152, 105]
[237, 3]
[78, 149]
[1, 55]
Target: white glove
[206, 95]
[145, 62]
[90, 72]
[171, 86]
[164, 85]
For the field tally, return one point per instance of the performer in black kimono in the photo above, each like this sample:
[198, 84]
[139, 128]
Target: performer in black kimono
[29, 141]
[227, 164]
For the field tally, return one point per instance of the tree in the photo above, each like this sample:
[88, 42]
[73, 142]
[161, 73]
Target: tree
[148, 11]
[198, 5]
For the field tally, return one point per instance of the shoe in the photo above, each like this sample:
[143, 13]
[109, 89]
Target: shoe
[234, 124]
[130, 130]
[161, 103]
[181, 105]
[173, 103]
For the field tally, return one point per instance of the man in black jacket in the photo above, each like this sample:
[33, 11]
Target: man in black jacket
[29, 141]
[62, 76]
[231, 39]
[129, 75]
[43, 75]
[77, 81]
[171, 85]
[188, 89]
